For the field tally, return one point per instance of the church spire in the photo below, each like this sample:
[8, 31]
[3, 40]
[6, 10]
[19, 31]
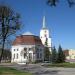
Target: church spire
[44, 22]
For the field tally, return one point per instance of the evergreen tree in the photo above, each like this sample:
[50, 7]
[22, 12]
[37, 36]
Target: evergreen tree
[54, 55]
[60, 56]
[46, 51]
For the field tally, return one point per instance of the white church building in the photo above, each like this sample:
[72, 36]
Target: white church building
[27, 48]
[30, 48]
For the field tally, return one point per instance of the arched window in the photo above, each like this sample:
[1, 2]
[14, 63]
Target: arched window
[17, 49]
[17, 56]
[25, 54]
[14, 56]
[14, 49]
[25, 49]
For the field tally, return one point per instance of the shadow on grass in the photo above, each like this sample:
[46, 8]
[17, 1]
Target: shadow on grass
[54, 72]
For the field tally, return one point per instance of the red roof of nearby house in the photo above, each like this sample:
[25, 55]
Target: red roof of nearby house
[27, 40]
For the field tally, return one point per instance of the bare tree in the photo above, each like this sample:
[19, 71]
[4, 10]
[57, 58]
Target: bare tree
[9, 24]
[54, 2]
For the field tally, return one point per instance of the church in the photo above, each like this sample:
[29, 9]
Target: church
[28, 48]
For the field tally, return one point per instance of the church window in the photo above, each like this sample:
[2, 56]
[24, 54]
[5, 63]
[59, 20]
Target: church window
[40, 50]
[25, 50]
[14, 49]
[25, 55]
[30, 56]
[37, 55]
[14, 56]
[17, 56]
[40, 55]
[37, 50]
[17, 49]
[29, 49]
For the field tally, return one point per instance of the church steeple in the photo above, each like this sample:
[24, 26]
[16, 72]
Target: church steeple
[44, 34]
[44, 22]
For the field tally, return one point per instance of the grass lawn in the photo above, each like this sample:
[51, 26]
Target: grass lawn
[66, 65]
[11, 71]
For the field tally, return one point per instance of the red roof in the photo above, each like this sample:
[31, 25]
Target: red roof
[27, 40]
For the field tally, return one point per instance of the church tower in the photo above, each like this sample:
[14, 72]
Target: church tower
[44, 35]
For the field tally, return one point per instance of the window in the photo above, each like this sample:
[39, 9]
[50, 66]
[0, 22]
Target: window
[30, 55]
[17, 49]
[29, 49]
[14, 56]
[40, 55]
[25, 55]
[37, 55]
[40, 50]
[14, 49]
[17, 56]
[25, 49]
[37, 50]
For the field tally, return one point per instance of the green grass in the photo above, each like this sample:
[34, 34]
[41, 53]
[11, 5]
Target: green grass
[66, 65]
[11, 71]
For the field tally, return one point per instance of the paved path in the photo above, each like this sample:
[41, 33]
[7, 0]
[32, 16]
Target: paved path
[37, 69]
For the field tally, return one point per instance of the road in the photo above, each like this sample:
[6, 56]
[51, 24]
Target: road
[37, 69]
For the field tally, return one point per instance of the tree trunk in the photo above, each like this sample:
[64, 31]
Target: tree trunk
[2, 50]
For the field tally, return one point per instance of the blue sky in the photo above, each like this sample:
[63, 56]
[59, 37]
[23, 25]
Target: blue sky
[60, 20]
